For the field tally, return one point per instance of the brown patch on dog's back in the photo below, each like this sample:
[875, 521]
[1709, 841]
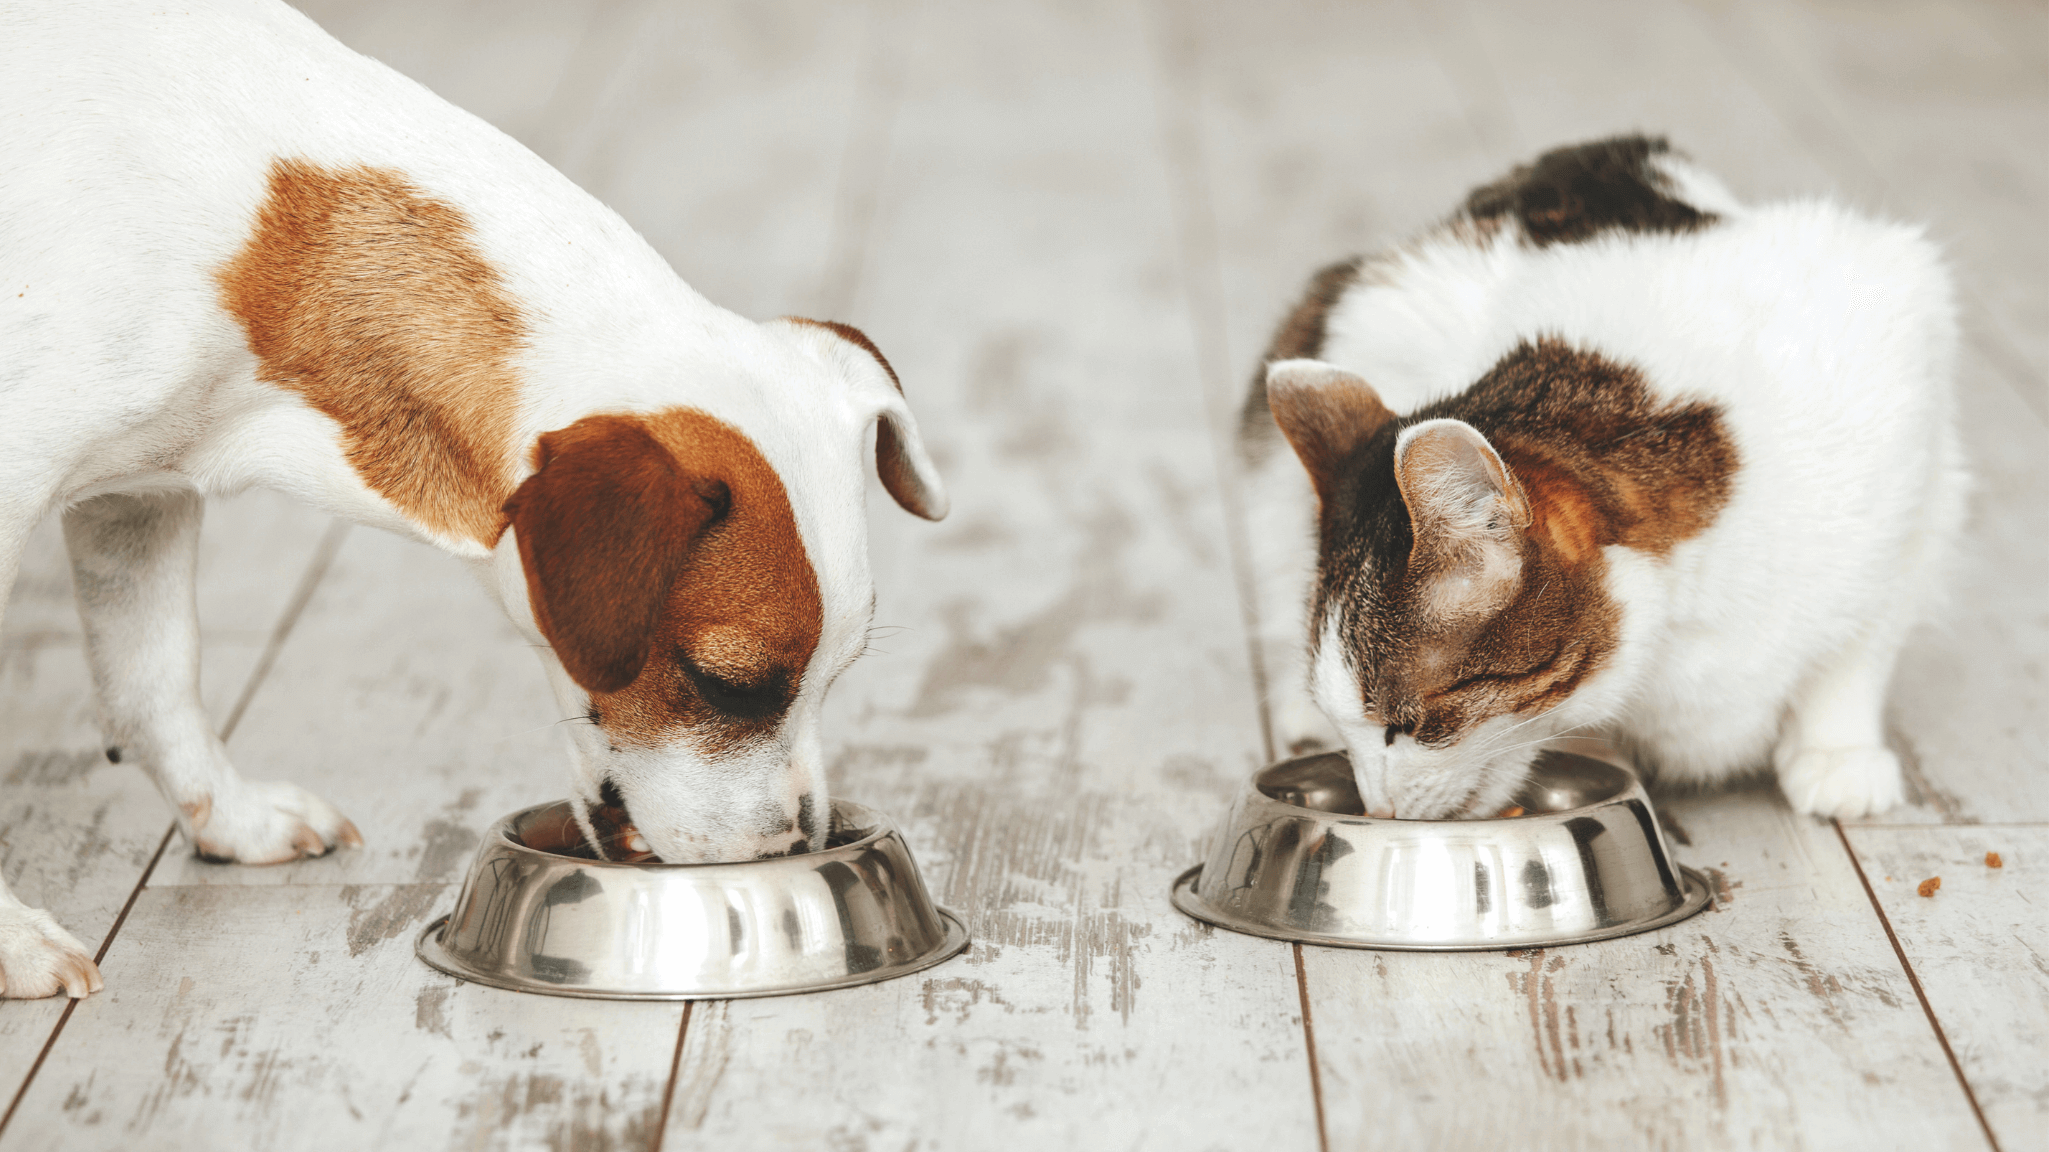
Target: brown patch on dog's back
[711, 572]
[370, 300]
[1600, 460]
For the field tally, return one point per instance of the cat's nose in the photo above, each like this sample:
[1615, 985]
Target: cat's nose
[1384, 812]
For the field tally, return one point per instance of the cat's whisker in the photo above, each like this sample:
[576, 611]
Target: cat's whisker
[1497, 737]
[1499, 753]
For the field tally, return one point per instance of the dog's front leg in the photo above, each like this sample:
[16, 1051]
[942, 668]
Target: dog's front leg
[38, 957]
[133, 563]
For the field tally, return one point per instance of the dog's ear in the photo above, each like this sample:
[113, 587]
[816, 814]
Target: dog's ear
[900, 460]
[604, 527]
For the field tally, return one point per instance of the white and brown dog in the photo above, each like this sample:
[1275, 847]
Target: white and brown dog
[237, 253]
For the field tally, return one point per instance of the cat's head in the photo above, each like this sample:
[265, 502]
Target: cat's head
[1460, 613]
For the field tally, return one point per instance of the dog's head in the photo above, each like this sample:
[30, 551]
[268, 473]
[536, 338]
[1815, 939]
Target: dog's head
[700, 586]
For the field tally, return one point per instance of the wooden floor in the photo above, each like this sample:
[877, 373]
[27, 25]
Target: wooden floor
[1071, 226]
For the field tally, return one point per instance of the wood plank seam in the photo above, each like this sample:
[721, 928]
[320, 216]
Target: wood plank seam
[1927, 1009]
[316, 568]
[1202, 285]
[323, 556]
[58, 1029]
[863, 162]
[1309, 1042]
[675, 1069]
[878, 92]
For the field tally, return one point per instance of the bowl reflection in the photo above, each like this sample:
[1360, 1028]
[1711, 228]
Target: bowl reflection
[538, 912]
[1297, 859]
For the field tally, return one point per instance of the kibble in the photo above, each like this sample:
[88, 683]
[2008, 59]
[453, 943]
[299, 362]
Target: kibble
[1992, 860]
[1929, 886]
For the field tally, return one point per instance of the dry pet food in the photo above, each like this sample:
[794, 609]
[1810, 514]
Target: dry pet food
[1929, 886]
[1992, 860]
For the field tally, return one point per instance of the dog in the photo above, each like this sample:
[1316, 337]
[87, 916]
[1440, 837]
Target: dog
[241, 254]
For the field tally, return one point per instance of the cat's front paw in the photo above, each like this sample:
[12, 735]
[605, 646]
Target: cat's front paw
[267, 822]
[39, 958]
[1841, 782]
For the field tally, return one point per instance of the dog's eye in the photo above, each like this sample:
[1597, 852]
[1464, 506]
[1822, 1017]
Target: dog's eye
[742, 701]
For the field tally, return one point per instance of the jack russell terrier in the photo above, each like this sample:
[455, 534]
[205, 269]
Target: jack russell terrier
[238, 253]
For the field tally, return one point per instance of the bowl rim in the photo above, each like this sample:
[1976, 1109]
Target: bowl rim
[429, 945]
[1695, 894]
[429, 949]
[1586, 747]
[877, 822]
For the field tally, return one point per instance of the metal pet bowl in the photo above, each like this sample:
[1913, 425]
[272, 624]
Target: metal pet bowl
[1297, 860]
[539, 912]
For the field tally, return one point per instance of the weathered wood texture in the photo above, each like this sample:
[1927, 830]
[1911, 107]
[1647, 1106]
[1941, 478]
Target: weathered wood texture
[76, 832]
[1923, 108]
[1781, 1019]
[1970, 701]
[1980, 946]
[1072, 227]
[296, 1016]
[1062, 696]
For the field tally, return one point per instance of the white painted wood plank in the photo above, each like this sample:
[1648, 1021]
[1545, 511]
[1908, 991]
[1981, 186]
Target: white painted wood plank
[1318, 132]
[1060, 717]
[1567, 75]
[75, 831]
[298, 1018]
[1980, 947]
[1781, 1019]
[1970, 702]
[721, 132]
[1935, 113]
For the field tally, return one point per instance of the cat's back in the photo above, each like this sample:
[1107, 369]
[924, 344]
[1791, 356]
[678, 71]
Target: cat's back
[1625, 248]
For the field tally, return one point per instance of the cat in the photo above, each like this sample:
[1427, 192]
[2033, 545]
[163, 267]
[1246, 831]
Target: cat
[1607, 452]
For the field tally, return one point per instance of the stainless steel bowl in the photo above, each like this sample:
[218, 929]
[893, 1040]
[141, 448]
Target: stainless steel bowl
[539, 912]
[1296, 860]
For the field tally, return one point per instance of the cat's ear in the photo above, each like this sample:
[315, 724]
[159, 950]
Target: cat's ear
[1466, 513]
[1326, 413]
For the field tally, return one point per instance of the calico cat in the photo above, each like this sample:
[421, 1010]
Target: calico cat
[1606, 452]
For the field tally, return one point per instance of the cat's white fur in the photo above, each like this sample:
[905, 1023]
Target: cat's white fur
[1826, 339]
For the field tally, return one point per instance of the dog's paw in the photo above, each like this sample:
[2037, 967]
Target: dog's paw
[1841, 782]
[39, 958]
[267, 822]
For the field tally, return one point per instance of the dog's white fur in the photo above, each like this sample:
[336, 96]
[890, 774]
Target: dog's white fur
[1827, 340]
[138, 139]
